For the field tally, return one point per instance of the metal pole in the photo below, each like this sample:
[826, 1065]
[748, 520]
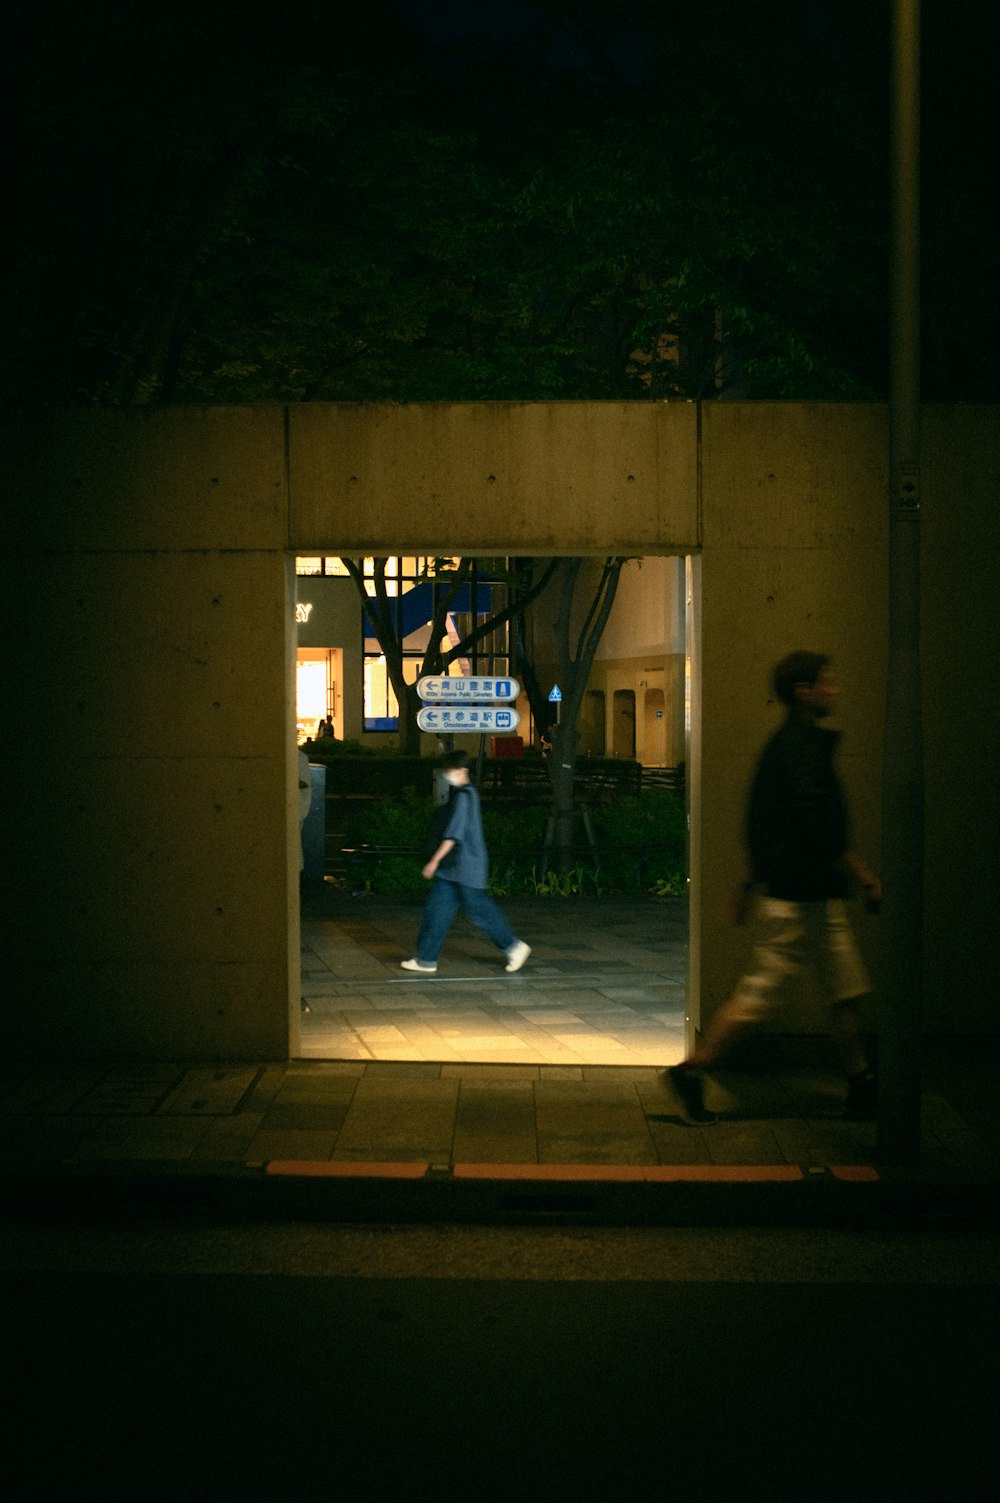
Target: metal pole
[902, 780]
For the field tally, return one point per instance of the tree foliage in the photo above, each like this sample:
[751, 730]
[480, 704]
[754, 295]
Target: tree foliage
[309, 213]
[322, 202]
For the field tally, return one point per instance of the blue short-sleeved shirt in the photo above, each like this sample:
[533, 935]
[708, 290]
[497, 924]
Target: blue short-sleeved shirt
[469, 863]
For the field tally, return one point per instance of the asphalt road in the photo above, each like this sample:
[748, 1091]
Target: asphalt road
[157, 1359]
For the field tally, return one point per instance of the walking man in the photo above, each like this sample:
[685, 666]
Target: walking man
[798, 838]
[458, 872]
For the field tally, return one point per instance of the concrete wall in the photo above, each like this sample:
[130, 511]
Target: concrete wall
[147, 772]
[794, 527]
[468, 478]
[147, 759]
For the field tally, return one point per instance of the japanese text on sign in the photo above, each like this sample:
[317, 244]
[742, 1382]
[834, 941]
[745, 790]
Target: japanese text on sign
[475, 718]
[469, 690]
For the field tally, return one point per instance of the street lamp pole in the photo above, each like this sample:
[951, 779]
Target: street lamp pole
[903, 780]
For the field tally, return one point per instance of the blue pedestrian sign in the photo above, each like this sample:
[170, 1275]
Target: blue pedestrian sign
[469, 719]
[555, 696]
[459, 689]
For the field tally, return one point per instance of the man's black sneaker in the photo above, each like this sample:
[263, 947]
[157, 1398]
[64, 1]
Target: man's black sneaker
[862, 1097]
[686, 1085]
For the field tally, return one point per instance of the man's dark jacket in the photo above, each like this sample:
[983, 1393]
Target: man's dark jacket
[797, 824]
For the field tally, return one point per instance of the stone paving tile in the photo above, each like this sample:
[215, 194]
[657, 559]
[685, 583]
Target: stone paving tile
[548, 1016]
[835, 1149]
[269, 1081]
[430, 1043]
[130, 1090]
[495, 1122]
[382, 1037]
[797, 1140]
[298, 1116]
[292, 1144]
[599, 1146]
[632, 1075]
[399, 1005]
[327, 1082]
[510, 1056]
[743, 1143]
[208, 1092]
[400, 1114]
[399, 1052]
[228, 1139]
[477, 1072]
[558, 1054]
[591, 1121]
[335, 1046]
[391, 1071]
[676, 1142]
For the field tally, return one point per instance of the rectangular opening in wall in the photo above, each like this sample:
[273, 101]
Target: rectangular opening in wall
[590, 870]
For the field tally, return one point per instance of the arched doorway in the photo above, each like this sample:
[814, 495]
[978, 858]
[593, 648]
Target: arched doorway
[593, 739]
[654, 729]
[623, 723]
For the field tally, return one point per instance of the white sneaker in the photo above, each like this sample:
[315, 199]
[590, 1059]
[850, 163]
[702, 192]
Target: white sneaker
[517, 955]
[417, 965]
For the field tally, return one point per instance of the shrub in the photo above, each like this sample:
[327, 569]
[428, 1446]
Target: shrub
[641, 845]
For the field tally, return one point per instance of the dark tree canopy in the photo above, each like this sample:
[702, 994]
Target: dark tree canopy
[325, 202]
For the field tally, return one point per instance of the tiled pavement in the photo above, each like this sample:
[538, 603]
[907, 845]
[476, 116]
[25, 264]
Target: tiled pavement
[604, 985]
[352, 1112]
[499, 1084]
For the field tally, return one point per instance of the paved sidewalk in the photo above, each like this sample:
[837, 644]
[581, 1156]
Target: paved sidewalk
[604, 984]
[416, 1141]
[368, 1136]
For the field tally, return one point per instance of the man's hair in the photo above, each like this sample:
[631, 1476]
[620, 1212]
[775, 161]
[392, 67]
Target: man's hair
[456, 759]
[797, 668]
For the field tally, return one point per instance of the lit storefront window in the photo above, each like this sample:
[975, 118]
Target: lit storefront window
[313, 566]
[412, 585]
[413, 588]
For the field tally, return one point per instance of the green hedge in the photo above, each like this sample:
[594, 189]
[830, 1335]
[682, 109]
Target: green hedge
[373, 774]
[641, 843]
[354, 770]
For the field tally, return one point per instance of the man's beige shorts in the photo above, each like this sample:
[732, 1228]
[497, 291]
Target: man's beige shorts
[791, 938]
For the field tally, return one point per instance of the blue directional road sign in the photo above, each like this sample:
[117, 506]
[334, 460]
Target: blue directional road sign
[472, 719]
[484, 689]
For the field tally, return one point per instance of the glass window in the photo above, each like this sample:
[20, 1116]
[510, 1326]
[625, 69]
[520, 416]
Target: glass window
[329, 566]
[416, 587]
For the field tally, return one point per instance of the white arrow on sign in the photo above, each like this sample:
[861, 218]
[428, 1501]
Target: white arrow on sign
[474, 719]
[484, 689]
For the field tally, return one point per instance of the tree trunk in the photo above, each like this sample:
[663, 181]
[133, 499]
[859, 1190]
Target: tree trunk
[574, 665]
[409, 731]
[562, 775]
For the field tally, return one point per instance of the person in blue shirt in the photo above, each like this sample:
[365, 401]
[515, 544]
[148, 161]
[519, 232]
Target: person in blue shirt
[458, 872]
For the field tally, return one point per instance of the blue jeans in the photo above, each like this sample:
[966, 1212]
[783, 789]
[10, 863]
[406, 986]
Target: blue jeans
[443, 902]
